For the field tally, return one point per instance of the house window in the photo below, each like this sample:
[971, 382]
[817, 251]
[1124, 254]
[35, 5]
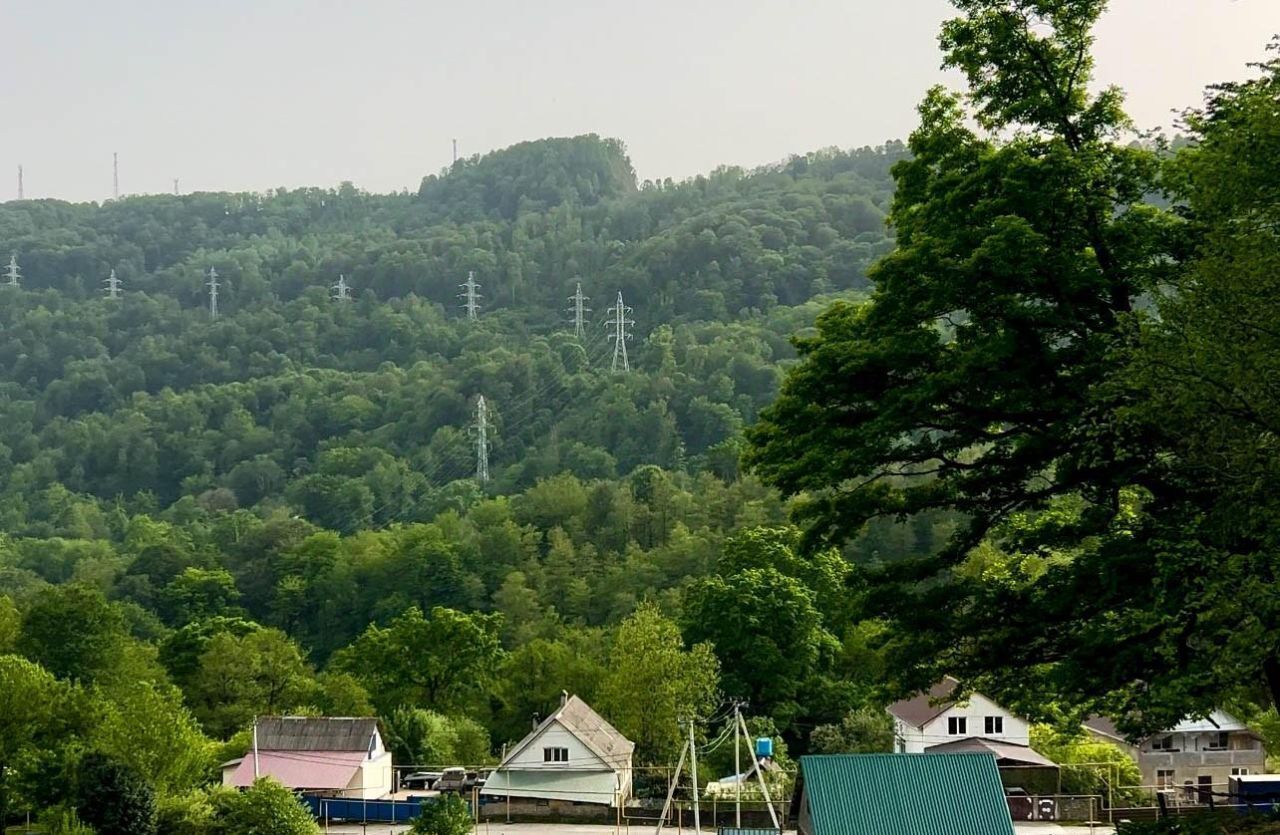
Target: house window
[994, 725]
[1163, 743]
[1239, 771]
[1164, 778]
[957, 725]
[555, 755]
[1217, 742]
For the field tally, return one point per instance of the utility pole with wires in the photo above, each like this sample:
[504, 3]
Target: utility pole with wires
[341, 290]
[471, 298]
[13, 273]
[579, 320]
[20, 192]
[113, 285]
[758, 767]
[619, 321]
[115, 175]
[737, 767]
[212, 284]
[688, 751]
[482, 441]
[175, 185]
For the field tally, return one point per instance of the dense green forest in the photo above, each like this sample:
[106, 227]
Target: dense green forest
[996, 402]
[262, 511]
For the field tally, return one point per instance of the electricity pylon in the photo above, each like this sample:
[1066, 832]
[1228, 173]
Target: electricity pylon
[113, 285]
[13, 273]
[212, 284]
[482, 441]
[618, 320]
[342, 290]
[579, 320]
[471, 298]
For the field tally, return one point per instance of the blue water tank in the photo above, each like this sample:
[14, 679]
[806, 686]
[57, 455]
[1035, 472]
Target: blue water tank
[764, 747]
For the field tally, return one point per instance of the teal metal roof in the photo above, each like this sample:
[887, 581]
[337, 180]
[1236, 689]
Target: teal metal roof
[905, 794]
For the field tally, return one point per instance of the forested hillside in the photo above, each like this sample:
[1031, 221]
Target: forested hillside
[355, 414]
[209, 518]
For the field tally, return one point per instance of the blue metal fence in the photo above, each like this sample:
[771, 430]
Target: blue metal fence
[373, 811]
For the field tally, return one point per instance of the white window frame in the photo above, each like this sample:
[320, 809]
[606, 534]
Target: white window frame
[1166, 778]
[1215, 738]
[1240, 771]
[994, 725]
[957, 726]
[555, 754]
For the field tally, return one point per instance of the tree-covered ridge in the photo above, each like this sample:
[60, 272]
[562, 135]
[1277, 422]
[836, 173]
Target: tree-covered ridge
[356, 412]
[269, 510]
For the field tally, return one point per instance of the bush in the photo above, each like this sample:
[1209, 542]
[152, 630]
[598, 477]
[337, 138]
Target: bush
[184, 814]
[448, 815]
[113, 799]
[61, 820]
[265, 808]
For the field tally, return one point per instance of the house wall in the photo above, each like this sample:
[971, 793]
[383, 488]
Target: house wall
[556, 735]
[373, 780]
[912, 740]
[1195, 758]
[585, 778]
[562, 784]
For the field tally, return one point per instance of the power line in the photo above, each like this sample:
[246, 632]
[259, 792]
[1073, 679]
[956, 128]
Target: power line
[113, 285]
[471, 303]
[579, 321]
[619, 313]
[213, 293]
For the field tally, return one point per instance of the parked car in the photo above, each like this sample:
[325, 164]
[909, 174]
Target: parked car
[453, 780]
[425, 780]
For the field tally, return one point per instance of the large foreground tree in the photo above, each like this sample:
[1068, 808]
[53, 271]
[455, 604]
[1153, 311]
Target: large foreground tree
[1003, 372]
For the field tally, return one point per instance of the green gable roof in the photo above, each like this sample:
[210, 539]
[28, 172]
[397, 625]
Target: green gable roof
[905, 794]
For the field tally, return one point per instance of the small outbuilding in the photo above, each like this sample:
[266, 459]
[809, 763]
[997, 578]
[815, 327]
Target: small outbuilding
[330, 756]
[902, 794]
[573, 755]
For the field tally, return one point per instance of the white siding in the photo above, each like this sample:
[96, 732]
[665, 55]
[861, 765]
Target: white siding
[584, 778]
[372, 780]
[912, 740]
[556, 735]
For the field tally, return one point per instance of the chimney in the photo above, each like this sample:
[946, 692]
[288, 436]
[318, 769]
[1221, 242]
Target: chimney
[536, 720]
[564, 698]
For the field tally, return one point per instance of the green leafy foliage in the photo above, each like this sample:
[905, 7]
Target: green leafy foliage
[447, 815]
[113, 798]
[861, 731]
[653, 682]
[265, 808]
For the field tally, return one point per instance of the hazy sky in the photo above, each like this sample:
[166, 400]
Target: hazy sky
[253, 94]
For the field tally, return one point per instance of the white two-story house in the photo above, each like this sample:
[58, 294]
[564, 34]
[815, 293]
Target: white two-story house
[933, 718]
[1195, 756]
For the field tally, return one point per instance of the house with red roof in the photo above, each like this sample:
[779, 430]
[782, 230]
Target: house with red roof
[320, 755]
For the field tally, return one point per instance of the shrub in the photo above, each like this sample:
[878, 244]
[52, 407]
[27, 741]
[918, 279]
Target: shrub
[449, 815]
